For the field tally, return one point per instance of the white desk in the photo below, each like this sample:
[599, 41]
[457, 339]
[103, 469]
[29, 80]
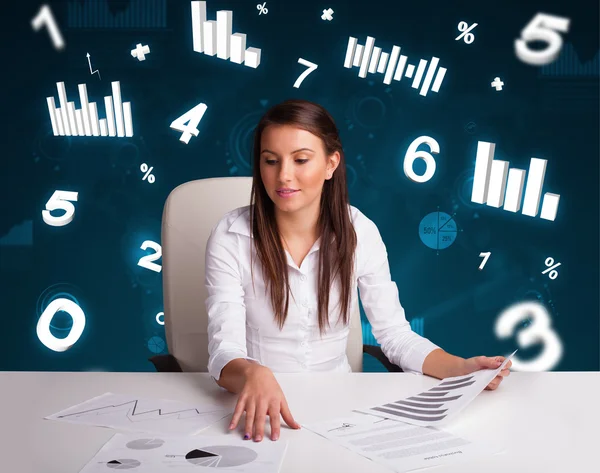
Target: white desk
[528, 415]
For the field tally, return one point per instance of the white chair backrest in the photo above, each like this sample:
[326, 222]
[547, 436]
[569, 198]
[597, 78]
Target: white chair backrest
[191, 211]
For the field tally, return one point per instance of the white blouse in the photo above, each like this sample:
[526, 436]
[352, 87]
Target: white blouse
[241, 322]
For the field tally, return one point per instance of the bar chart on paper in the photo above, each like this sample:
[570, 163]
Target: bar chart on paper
[496, 185]
[393, 65]
[214, 37]
[68, 121]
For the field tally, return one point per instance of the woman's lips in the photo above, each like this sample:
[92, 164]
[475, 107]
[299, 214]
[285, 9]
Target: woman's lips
[285, 195]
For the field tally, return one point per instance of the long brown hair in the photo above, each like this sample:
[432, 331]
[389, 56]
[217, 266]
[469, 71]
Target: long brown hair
[338, 238]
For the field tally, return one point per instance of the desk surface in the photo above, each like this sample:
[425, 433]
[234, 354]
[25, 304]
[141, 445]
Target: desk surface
[528, 415]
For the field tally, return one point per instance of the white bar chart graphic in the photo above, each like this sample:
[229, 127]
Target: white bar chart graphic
[371, 59]
[66, 120]
[496, 185]
[216, 38]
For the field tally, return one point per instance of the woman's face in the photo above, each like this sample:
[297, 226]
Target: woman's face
[293, 158]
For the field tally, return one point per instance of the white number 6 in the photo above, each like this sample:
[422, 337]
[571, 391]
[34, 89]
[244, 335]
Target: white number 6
[538, 331]
[544, 28]
[60, 200]
[146, 261]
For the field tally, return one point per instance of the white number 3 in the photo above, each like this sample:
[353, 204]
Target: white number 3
[544, 28]
[538, 331]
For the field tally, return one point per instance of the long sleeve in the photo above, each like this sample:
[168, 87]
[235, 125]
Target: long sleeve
[379, 297]
[225, 302]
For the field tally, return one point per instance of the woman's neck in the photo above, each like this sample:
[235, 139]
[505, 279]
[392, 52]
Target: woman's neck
[299, 225]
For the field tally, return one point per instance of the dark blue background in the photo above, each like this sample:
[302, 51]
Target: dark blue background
[94, 258]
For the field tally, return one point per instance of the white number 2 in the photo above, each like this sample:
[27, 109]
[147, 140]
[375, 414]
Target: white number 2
[60, 200]
[544, 28]
[539, 331]
[146, 261]
[188, 122]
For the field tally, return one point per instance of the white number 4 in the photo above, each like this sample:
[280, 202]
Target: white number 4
[60, 200]
[188, 122]
[543, 28]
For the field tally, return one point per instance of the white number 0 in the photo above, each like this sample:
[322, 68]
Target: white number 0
[544, 28]
[60, 200]
[538, 331]
[146, 261]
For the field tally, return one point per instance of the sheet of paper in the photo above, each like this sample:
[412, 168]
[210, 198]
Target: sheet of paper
[127, 412]
[400, 446]
[157, 454]
[436, 405]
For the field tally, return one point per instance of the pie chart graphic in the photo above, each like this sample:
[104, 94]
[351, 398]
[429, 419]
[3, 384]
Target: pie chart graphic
[156, 344]
[221, 456]
[145, 444]
[438, 230]
[127, 464]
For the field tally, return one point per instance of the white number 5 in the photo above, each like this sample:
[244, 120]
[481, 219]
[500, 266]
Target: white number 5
[538, 331]
[60, 200]
[544, 28]
[146, 261]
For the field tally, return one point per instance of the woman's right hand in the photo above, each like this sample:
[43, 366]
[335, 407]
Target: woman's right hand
[262, 395]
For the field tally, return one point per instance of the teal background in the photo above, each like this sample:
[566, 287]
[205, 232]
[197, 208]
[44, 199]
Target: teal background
[547, 112]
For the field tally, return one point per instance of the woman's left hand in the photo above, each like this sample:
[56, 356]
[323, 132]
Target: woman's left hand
[477, 363]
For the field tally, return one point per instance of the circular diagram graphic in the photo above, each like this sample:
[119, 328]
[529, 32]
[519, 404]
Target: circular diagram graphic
[145, 444]
[438, 230]
[126, 464]
[223, 456]
[156, 345]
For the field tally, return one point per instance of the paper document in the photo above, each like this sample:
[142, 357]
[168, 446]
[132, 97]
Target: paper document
[127, 412]
[440, 402]
[400, 446]
[150, 454]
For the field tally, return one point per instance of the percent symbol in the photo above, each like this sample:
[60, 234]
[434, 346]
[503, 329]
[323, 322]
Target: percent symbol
[553, 273]
[262, 8]
[144, 168]
[467, 37]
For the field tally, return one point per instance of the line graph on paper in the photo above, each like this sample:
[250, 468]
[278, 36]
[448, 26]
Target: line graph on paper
[131, 413]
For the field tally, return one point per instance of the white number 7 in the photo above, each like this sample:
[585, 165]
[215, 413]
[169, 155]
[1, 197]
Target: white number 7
[188, 122]
[311, 67]
[544, 28]
[60, 200]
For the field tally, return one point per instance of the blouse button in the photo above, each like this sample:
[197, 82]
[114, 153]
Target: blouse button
[303, 278]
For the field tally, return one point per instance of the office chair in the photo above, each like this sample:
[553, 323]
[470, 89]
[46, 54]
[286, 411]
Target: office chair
[191, 211]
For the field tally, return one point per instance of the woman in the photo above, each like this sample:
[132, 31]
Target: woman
[299, 233]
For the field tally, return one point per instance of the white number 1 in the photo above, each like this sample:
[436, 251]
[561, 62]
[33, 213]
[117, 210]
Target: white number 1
[544, 28]
[188, 122]
[45, 17]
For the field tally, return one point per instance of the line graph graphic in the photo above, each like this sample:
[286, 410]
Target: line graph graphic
[90, 64]
[136, 414]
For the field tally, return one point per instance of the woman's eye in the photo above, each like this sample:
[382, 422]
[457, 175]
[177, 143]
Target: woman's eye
[273, 161]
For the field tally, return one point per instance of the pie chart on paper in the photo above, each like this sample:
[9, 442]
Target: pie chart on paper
[223, 456]
[127, 464]
[438, 230]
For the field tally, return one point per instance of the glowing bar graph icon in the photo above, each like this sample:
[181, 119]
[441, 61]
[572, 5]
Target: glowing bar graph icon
[496, 185]
[371, 59]
[66, 120]
[215, 37]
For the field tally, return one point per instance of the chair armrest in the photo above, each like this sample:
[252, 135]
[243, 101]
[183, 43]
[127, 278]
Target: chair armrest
[166, 363]
[377, 353]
